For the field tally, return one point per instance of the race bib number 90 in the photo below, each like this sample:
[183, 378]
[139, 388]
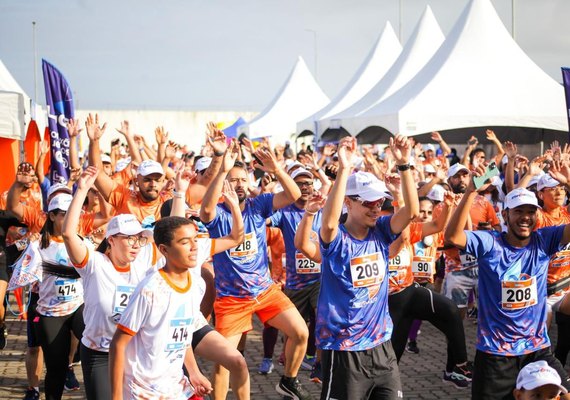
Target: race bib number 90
[246, 248]
[516, 295]
[367, 270]
[422, 267]
[305, 266]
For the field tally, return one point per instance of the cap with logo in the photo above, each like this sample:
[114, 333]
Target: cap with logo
[455, 168]
[300, 172]
[436, 193]
[58, 187]
[60, 202]
[537, 374]
[149, 167]
[202, 164]
[520, 197]
[546, 181]
[366, 187]
[126, 224]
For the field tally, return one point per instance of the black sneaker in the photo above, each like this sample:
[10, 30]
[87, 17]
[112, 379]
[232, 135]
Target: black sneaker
[465, 370]
[456, 380]
[292, 387]
[412, 347]
[71, 382]
[32, 394]
[3, 337]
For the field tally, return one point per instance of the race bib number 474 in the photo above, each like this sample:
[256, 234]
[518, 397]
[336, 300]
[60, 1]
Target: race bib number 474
[367, 270]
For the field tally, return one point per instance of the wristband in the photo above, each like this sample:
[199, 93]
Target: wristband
[403, 167]
[177, 195]
[310, 213]
[395, 203]
[219, 154]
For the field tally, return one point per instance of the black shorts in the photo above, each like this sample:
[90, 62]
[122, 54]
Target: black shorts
[199, 335]
[366, 374]
[33, 340]
[304, 299]
[494, 377]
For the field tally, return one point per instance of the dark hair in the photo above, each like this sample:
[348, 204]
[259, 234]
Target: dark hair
[239, 164]
[165, 227]
[47, 230]
[477, 150]
[103, 246]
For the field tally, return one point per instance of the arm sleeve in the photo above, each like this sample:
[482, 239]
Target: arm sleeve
[550, 238]
[479, 243]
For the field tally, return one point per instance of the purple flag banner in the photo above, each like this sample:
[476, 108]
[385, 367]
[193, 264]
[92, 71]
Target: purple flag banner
[59, 101]
[566, 80]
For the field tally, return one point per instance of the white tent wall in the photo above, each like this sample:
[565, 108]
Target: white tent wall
[12, 113]
[479, 77]
[380, 58]
[299, 97]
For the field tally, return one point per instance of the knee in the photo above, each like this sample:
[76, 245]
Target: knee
[236, 363]
[300, 334]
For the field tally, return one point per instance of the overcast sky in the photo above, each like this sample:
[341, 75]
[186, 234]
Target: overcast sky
[230, 55]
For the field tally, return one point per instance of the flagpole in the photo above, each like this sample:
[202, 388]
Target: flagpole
[35, 62]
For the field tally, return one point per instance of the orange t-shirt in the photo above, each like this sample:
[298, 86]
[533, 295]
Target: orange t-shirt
[559, 266]
[400, 266]
[425, 256]
[481, 211]
[32, 198]
[127, 201]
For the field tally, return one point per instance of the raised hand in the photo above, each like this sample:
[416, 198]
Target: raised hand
[328, 150]
[491, 135]
[124, 129]
[436, 137]
[161, 135]
[231, 156]
[183, 179]
[87, 178]
[230, 195]
[510, 149]
[315, 202]
[394, 184]
[450, 199]
[346, 150]
[560, 170]
[268, 161]
[401, 149]
[25, 174]
[73, 128]
[94, 130]
[216, 139]
[170, 152]
[472, 142]
[44, 147]
[479, 171]
[536, 166]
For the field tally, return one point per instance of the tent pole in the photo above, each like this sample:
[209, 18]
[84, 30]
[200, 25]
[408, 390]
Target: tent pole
[542, 146]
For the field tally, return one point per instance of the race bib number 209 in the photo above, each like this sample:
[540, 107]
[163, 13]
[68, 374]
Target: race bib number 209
[367, 270]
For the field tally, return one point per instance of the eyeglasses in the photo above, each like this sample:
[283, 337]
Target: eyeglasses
[132, 240]
[369, 204]
[303, 184]
[552, 189]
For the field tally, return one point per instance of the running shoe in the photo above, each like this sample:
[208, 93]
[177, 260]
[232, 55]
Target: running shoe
[71, 382]
[292, 387]
[456, 380]
[412, 347]
[266, 366]
[465, 370]
[3, 337]
[308, 362]
[317, 373]
[32, 394]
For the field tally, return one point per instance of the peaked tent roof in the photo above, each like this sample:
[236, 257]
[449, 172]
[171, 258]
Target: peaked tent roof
[478, 77]
[298, 98]
[380, 58]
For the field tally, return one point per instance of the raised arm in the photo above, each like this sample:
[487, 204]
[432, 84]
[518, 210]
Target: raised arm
[24, 179]
[471, 144]
[511, 150]
[104, 183]
[291, 191]
[73, 130]
[303, 241]
[333, 205]
[134, 152]
[237, 234]
[401, 150]
[40, 172]
[437, 225]
[493, 138]
[436, 137]
[181, 184]
[76, 249]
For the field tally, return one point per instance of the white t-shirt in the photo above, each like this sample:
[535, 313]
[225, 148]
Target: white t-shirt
[58, 296]
[107, 292]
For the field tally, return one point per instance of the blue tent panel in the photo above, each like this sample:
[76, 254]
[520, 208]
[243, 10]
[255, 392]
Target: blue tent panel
[231, 131]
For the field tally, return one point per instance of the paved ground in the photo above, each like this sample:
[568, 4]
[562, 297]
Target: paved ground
[421, 374]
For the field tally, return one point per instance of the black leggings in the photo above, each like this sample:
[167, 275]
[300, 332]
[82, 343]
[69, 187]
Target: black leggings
[563, 343]
[95, 366]
[416, 302]
[54, 335]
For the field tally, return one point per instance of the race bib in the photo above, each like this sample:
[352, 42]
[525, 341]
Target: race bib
[367, 270]
[467, 260]
[122, 297]
[305, 266]
[423, 267]
[516, 295]
[402, 259]
[246, 248]
[66, 289]
[179, 334]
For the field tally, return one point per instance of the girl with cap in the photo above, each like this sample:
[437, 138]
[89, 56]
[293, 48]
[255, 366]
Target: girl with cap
[110, 276]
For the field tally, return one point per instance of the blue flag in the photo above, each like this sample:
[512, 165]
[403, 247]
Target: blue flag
[566, 80]
[59, 101]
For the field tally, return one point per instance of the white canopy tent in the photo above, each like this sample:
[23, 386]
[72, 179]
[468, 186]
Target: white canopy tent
[298, 98]
[380, 58]
[14, 106]
[478, 78]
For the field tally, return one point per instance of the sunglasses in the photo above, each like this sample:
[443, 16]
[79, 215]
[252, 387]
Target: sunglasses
[369, 204]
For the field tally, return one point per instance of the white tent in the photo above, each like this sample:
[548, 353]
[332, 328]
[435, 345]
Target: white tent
[298, 98]
[479, 77]
[379, 60]
[424, 41]
[14, 106]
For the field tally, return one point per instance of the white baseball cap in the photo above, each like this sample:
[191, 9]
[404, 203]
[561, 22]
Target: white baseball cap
[149, 167]
[294, 164]
[122, 164]
[301, 171]
[455, 168]
[546, 181]
[429, 147]
[366, 186]
[60, 202]
[537, 374]
[519, 197]
[59, 187]
[436, 193]
[429, 169]
[105, 158]
[126, 224]
[202, 164]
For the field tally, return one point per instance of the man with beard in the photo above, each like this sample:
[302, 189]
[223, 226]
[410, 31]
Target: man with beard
[243, 283]
[461, 269]
[513, 268]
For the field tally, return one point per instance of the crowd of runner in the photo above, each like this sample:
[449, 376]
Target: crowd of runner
[153, 254]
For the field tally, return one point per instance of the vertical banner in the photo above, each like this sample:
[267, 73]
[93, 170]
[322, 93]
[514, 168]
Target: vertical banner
[566, 80]
[59, 101]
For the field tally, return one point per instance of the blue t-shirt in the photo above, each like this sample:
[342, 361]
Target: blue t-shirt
[512, 290]
[352, 311]
[300, 271]
[243, 270]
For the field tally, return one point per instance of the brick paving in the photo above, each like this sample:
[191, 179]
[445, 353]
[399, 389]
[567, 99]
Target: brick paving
[421, 374]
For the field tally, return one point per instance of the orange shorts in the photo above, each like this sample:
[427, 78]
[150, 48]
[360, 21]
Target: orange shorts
[234, 314]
